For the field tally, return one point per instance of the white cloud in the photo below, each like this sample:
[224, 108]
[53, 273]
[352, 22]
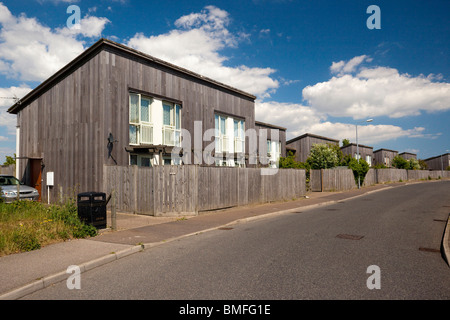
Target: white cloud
[296, 118]
[343, 67]
[378, 91]
[8, 120]
[299, 119]
[30, 51]
[195, 45]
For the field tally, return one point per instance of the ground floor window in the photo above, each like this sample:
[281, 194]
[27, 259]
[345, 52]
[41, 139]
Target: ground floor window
[140, 160]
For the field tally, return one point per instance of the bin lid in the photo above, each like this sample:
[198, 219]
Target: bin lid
[91, 195]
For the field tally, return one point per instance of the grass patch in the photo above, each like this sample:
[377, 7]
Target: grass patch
[27, 225]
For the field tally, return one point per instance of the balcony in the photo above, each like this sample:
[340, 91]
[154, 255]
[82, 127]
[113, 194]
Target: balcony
[171, 136]
[141, 134]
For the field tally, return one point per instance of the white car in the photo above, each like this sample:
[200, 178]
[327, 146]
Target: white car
[10, 184]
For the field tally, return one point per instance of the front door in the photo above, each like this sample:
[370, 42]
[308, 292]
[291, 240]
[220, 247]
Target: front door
[36, 175]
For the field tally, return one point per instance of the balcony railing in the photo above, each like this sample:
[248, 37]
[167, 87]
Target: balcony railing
[171, 136]
[239, 145]
[141, 134]
[146, 134]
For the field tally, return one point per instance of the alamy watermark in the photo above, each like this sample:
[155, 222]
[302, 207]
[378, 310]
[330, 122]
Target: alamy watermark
[73, 21]
[374, 21]
[74, 280]
[374, 280]
[230, 149]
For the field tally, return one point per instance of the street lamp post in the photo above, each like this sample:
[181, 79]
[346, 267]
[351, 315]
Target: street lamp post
[357, 149]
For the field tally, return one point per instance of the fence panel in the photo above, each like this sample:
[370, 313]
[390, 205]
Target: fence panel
[315, 178]
[9, 170]
[188, 189]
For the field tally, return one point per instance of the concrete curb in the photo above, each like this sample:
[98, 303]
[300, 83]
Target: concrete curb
[63, 275]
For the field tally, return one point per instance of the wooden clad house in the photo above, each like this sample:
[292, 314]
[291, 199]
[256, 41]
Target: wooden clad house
[441, 162]
[365, 152]
[408, 155]
[384, 157]
[302, 144]
[113, 105]
[275, 146]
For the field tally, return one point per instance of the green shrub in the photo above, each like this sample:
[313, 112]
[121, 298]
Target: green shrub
[323, 156]
[359, 168]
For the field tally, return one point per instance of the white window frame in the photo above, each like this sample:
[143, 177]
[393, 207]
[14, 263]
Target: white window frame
[239, 136]
[171, 129]
[369, 160]
[273, 152]
[141, 126]
[221, 138]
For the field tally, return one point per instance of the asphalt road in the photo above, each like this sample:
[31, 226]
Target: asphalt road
[294, 256]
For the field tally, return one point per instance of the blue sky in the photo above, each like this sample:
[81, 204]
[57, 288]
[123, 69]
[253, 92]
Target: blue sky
[314, 66]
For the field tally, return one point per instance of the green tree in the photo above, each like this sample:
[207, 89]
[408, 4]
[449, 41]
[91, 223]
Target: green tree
[345, 142]
[414, 164]
[359, 168]
[290, 162]
[400, 163]
[323, 156]
[423, 165]
[10, 160]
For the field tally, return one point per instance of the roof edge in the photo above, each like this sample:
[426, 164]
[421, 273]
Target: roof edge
[310, 135]
[16, 107]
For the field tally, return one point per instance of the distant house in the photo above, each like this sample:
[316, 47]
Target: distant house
[113, 105]
[384, 157]
[440, 162]
[302, 144]
[275, 146]
[365, 152]
[408, 155]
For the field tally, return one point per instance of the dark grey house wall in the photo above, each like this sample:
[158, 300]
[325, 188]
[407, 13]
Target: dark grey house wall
[438, 162]
[269, 127]
[64, 128]
[302, 144]
[200, 100]
[408, 155]
[380, 156]
[364, 151]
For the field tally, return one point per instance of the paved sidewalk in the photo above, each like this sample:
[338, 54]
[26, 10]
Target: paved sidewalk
[28, 272]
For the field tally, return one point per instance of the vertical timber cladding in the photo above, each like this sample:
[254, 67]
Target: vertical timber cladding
[62, 127]
[199, 98]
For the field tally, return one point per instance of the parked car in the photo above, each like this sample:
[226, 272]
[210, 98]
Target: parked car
[9, 186]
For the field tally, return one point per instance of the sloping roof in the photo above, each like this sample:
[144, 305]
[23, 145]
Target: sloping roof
[263, 124]
[359, 145]
[382, 149]
[97, 47]
[441, 155]
[311, 135]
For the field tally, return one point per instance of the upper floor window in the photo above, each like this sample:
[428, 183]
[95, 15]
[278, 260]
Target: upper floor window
[140, 128]
[221, 136]
[171, 124]
[239, 136]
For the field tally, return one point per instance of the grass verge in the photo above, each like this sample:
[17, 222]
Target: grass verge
[27, 225]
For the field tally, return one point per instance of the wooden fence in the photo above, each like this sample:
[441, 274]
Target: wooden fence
[9, 170]
[343, 179]
[189, 189]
